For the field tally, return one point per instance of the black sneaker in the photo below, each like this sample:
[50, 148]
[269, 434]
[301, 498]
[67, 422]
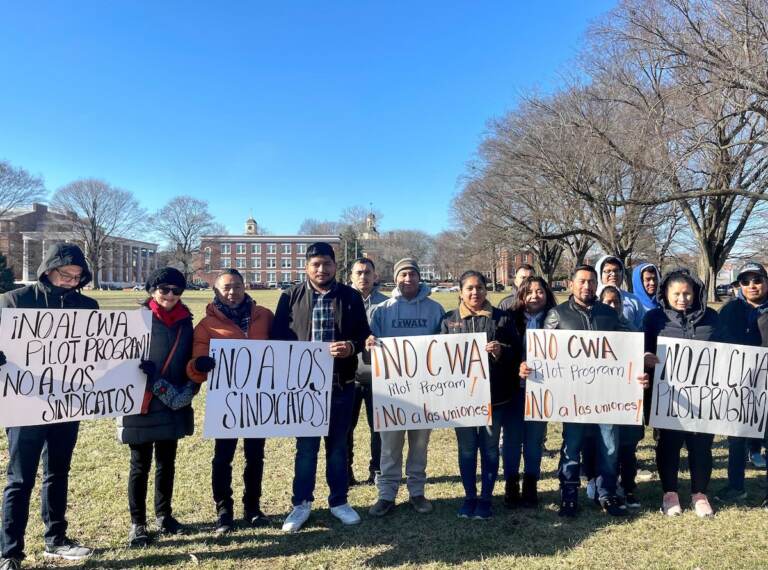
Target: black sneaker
[530, 496]
[138, 537]
[568, 509]
[381, 508]
[10, 564]
[169, 525]
[256, 518]
[224, 524]
[67, 549]
[613, 506]
[512, 492]
[631, 501]
[764, 504]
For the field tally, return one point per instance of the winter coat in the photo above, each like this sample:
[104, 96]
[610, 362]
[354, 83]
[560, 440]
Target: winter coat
[399, 316]
[633, 308]
[638, 288]
[508, 303]
[376, 298]
[498, 326]
[215, 325]
[569, 315]
[44, 294]
[158, 422]
[739, 322]
[293, 321]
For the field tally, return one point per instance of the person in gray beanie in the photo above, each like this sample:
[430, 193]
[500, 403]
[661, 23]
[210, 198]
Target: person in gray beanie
[409, 312]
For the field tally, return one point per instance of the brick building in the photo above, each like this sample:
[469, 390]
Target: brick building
[508, 262]
[264, 261]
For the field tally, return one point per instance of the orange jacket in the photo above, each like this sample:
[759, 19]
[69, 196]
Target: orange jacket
[216, 325]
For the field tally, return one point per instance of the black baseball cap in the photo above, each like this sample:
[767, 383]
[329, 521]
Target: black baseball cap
[752, 267]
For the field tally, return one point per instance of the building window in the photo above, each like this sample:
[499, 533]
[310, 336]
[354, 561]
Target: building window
[241, 249]
[257, 277]
[272, 248]
[271, 277]
[256, 248]
[285, 263]
[256, 263]
[224, 262]
[225, 249]
[299, 262]
[240, 262]
[286, 277]
[301, 276]
[287, 248]
[271, 263]
[207, 267]
[207, 254]
[301, 248]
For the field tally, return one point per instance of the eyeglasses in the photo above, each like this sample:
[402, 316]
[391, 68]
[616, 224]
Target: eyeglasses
[611, 271]
[68, 276]
[751, 281]
[173, 290]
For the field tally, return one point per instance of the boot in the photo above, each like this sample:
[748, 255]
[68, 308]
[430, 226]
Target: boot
[512, 492]
[530, 497]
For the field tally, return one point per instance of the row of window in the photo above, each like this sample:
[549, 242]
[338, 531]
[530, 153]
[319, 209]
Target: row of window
[271, 276]
[285, 248]
[241, 263]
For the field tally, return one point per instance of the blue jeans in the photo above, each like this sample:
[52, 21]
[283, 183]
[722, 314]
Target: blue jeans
[737, 459]
[486, 440]
[518, 434]
[55, 443]
[305, 467]
[607, 459]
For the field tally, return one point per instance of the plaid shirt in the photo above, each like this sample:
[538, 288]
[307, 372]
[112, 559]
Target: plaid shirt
[323, 316]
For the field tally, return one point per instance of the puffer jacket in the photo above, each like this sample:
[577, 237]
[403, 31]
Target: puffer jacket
[569, 315]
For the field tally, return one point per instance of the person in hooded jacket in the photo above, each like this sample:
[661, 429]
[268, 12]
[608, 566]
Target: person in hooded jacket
[610, 271]
[409, 312]
[61, 275]
[166, 412]
[684, 314]
[476, 315]
[645, 285]
[233, 314]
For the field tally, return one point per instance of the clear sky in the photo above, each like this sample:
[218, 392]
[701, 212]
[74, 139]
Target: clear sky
[288, 110]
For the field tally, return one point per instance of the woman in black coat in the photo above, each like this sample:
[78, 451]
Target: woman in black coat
[166, 413]
[683, 314]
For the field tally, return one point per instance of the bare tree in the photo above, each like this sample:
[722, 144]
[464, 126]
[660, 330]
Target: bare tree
[312, 226]
[181, 223]
[18, 187]
[100, 212]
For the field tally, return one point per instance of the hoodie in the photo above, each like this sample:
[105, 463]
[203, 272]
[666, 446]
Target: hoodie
[370, 302]
[398, 316]
[45, 294]
[633, 308]
[647, 301]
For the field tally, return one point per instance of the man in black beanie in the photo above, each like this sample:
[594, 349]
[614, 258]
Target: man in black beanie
[60, 277]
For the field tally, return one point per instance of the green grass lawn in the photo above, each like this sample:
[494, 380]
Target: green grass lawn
[98, 512]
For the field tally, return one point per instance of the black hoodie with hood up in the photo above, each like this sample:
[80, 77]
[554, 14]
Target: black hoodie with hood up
[44, 294]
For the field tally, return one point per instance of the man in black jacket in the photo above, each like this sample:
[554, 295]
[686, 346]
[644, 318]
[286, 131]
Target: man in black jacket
[739, 325]
[323, 310]
[582, 311]
[61, 275]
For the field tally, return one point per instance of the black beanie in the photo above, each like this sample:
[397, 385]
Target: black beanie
[165, 276]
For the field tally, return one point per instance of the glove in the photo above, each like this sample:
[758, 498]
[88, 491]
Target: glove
[148, 367]
[3, 360]
[204, 364]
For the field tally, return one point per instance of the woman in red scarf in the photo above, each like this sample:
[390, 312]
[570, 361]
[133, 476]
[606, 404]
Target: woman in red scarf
[166, 413]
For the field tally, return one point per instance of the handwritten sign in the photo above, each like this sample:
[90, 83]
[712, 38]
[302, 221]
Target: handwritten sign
[424, 382]
[710, 387]
[584, 377]
[268, 389]
[69, 364]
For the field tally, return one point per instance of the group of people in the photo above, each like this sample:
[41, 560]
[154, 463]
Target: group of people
[350, 319]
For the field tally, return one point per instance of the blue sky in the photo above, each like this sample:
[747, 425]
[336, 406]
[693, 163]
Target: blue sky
[286, 110]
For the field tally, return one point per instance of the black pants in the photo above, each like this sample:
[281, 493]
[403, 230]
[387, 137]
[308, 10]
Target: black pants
[165, 468]
[221, 475]
[364, 393]
[699, 447]
[26, 445]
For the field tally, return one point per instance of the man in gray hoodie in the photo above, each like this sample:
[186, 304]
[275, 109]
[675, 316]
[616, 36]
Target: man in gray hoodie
[409, 312]
[364, 281]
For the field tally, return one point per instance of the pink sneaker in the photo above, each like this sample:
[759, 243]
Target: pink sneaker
[670, 505]
[701, 505]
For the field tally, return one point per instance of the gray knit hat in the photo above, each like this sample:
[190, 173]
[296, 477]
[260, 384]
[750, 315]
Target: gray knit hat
[407, 263]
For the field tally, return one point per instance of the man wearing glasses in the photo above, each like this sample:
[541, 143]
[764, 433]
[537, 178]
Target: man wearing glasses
[60, 277]
[738, 319]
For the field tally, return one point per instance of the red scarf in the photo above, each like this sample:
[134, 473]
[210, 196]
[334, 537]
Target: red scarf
[169, 318]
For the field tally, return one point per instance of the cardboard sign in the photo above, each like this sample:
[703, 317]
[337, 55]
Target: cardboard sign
[434, 381]
[710, 387]
[584, 377]
[265, 388]
[71, 364]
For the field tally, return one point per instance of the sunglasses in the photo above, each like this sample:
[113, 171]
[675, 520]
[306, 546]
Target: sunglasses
[752, 281]
[174, 290]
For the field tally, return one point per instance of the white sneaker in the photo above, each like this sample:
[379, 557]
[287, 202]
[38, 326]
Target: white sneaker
[298, 517]
[346, 514]
[592, 489]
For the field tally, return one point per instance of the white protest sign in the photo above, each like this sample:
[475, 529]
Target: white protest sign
[425, 382]
[710, 387]
[71, 364]
[262, 388]
[584, 377]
